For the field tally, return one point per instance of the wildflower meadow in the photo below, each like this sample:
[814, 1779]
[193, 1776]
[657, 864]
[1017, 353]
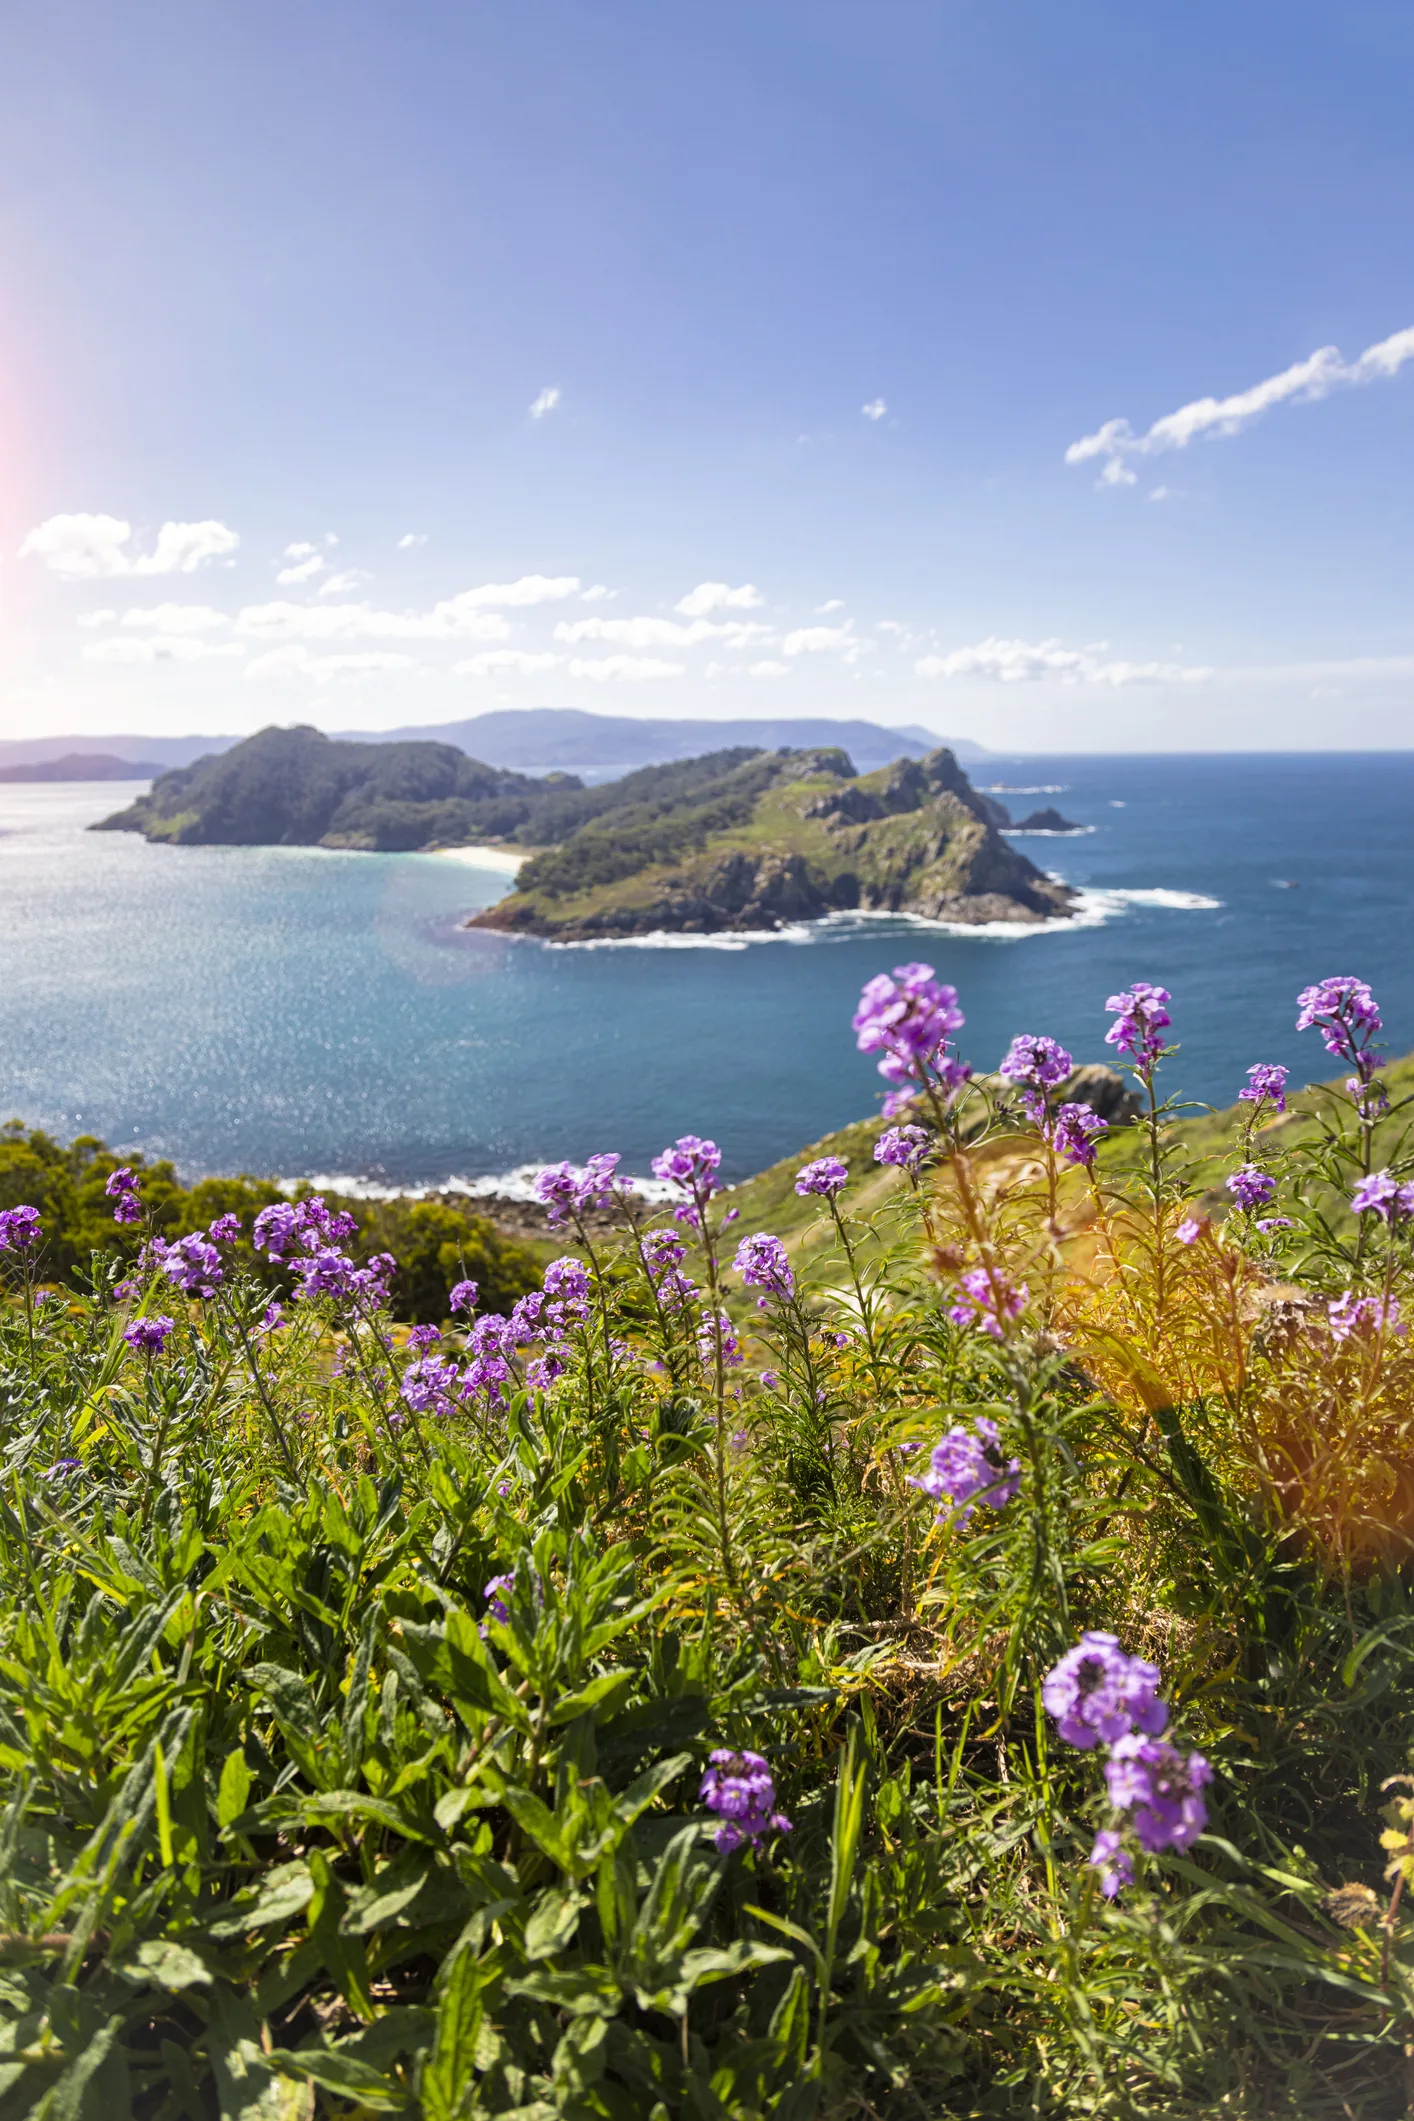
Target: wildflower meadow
[951, 1654]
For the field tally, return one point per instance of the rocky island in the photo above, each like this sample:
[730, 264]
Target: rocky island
[784, 836]
[737, 839]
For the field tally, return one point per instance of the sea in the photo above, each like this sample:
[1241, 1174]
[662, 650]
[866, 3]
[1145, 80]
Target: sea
[303, 1013]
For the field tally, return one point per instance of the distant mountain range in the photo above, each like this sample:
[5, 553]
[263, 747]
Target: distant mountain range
[539, 740]
[83, 766]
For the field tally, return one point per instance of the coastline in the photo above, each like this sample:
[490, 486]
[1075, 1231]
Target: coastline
[501, 859]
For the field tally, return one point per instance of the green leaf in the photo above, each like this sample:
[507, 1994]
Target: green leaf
[343, 2073]
[607, 1691]
[171, 1965]
[553, 1923]
[448, 2086]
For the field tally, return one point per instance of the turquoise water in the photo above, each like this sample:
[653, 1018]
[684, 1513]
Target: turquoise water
[301, 1012]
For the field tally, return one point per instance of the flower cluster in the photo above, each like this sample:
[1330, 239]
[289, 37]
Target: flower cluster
[1074, 1131]
[303, 1225]
[1141, 1020]
[1266, 1084]
[762, 1264]
[19, 1229]
[1345, 1013]
[495, 1600]
[908, 1019]
[1381, 1194]
[463, 1297]
[122, 1190]
[714, 1332]
[149, 1335]
[692, 1163]
[1351, 1314]
[987, 1300]
[905, 1147]
[1099, 1694]
[740, 1788]
[1036, 1066]
[192, 1263]
[827, 1175]
[1251, 1188]
[570, 1190]
[428, 1383]
[966, 1468]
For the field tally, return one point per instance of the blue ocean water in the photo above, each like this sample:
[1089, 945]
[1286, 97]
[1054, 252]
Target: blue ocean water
[303, 1012]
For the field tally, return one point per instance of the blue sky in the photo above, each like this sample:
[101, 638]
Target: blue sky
[812, 302]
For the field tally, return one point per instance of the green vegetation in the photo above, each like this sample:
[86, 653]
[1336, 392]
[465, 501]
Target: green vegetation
[356, 1692]
[436, 1243]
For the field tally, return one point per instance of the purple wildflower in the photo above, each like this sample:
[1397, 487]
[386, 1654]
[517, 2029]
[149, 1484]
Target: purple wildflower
[1113, 1862]
[762, 1264]
[741, 1789]
[1143, 1016]
[567, 1280]
[424, 1336]
[1073, 1133]
[692, 1163]
[225, 1230]
[495, 1600]
[1351, 1314]
[712, 1334]
[1151, 1778]
[1381, 1194]
[542, 1372]
[1097, 1691]
[905, 1147]
[966, 1468]
[525, 1322]
[827, 1175]
[1251, 1188]
[908, 1019]
[427, 1384]
[122, 1190]
[1036, 1065]
[62, 1467]
[272, 1318]
[276, 1228]
[1275, 1222]
[1266, 1084]
[569, 1190]
[327, 1272]
[1191, 1229]
[1345, 1013]
[147, 1335]
[463, 1297]
[193, 1263]
[987, 1300]
[19, 1229]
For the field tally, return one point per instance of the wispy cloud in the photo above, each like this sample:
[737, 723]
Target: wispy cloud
[548, 399]
[158, 648]
[526, 589]
[628, 668]
[1029, 662]
[718, 596]
[172, 618]
[507, 662]
[827, 640]
[875, 409]
[82, 547]
[649, 632]
[457, 618]
[339, 585]
[769, 670]
[306, 561]
[1303, 383]
[410, 538]
[299, 662]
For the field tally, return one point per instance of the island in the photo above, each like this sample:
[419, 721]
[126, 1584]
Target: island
[785, 836]
[738, 839]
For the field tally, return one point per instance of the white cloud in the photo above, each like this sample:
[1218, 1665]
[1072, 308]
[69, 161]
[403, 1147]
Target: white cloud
[158, 648]
[769, 670]
[827, 640]
[300, 663]
[339, 585]
[548, 399]
[97, 618]
[82, 547]
[630, 667]
[410, 538]
[447, 621]
[527, 589]
[177, 618]
[718, 596]
[499, 661]
[875, 409]
[833, 604]
[1027, 662]
[660, 633]
[597, 593]
[307, 561]
[1304, 382]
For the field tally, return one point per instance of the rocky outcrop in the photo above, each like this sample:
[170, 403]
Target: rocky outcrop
[1047, 820]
